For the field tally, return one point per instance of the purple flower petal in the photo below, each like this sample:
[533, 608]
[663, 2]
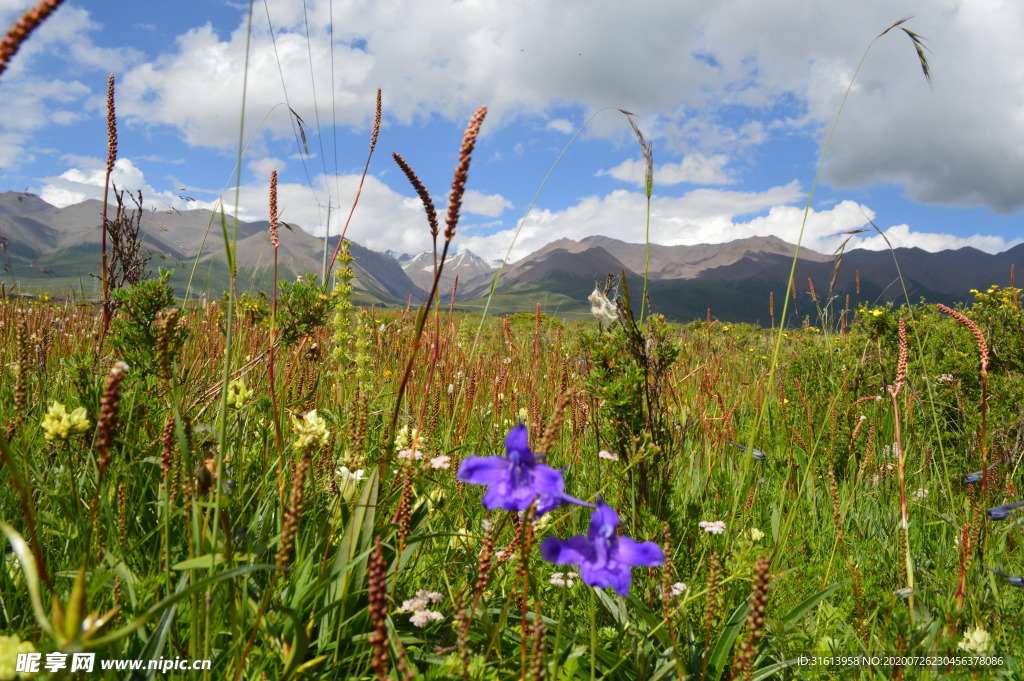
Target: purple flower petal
[617, 576]
[604, 521]
[575, 550]
[484, 470]
[640, 554]
[518, 446]
[507, 496]
[549, 485]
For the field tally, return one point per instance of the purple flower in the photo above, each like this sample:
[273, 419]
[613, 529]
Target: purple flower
[1004, 511]
[977, 476]
[1013, 580]
[515, 480]
[605, 559]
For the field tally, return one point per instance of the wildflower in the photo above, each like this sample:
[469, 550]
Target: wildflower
[605, 559]
[754, 534]
[977, 641]
[1012, 580]
[311, 430]
[238, 394]
[675, 590]
[421, 618]
[10, 648]
[716, 527]
[758, 454]
[515, 480]
[441, 462]
[920, 494]
[58, 424]
[405, 438]
[421, 614]
[349, 481]
[607, 456]
[566, 579]
[601, 307]
[411, 454]
[1004, 511]
[978, 475]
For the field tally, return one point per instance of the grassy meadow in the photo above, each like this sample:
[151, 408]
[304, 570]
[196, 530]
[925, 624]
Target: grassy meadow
[296, 487]
[284, 527]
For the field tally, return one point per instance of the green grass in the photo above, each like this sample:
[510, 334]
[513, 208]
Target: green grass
[314, 615]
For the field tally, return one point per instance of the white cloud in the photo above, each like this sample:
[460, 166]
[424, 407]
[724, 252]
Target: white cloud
[383, 219]
[694, 168]
[561, 125]
[87, 180]
[714, 216]
[262, 167]
[66, 33]
[900, 236]
[700, 216]
[491, 205]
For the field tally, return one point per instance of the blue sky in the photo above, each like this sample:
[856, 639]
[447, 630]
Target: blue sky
[737, 97]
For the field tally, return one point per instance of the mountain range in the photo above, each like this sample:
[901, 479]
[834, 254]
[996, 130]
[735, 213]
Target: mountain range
[43, 247]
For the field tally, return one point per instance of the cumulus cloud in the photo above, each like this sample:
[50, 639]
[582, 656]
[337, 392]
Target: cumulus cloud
[561, 125]
[695, 73]
[262, 167]
[700, 216]
[694, 168]
[86, 181]
[901, 236]
[478, 203]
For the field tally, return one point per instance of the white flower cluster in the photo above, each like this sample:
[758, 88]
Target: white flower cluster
[977, 641]
[310, 430]
[566, 579]
[607, 456]
[716, 527]
[674, 590]
[421, 614]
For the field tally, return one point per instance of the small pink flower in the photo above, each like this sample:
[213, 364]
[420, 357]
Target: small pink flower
[607, 456]
[716, 527]
[421, 618]
[440, 462]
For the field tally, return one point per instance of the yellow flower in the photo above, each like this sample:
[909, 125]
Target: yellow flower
[311, 430]
[877, 312]
[58, 424]
[10, 646]
[238, 394]
[976, 641]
